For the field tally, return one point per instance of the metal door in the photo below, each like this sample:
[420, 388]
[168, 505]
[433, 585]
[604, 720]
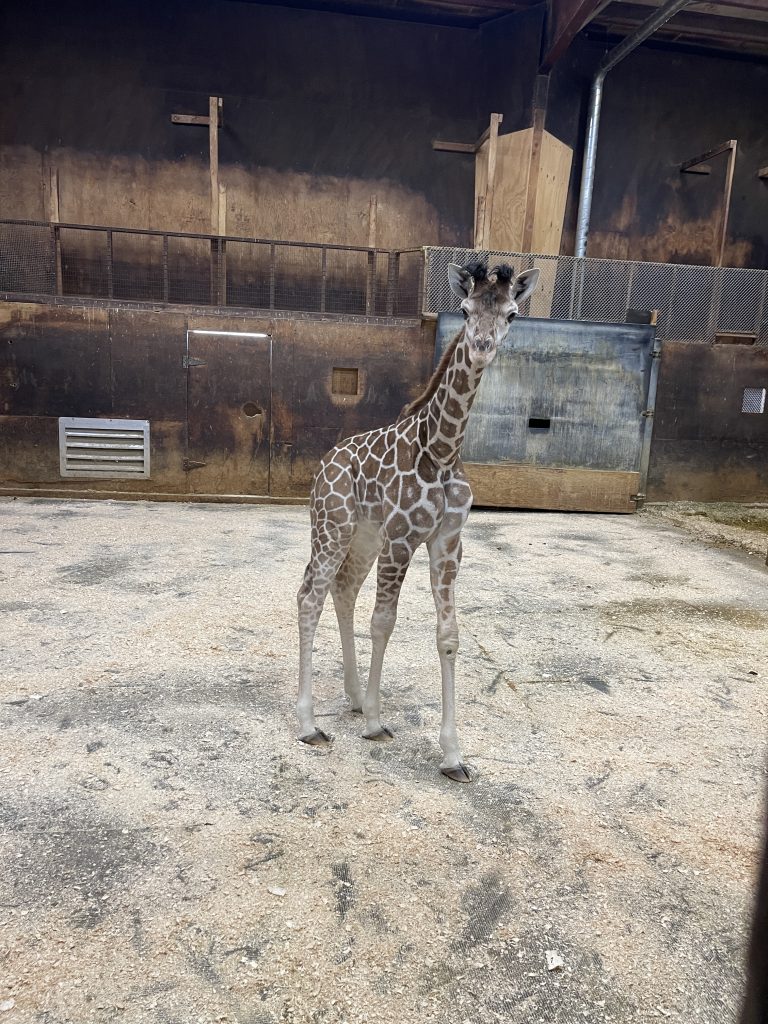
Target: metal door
[563, 416]
[229, 407]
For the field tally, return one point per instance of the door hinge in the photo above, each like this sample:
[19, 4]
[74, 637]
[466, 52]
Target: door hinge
[647, 413]
[188, 464]
[638, 498]
[192, 361]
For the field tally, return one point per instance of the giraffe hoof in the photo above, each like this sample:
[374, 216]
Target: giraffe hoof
[383, 733]
[318, 738]
[459, 773]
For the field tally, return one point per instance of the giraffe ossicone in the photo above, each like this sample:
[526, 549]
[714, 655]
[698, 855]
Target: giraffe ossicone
[380, 495]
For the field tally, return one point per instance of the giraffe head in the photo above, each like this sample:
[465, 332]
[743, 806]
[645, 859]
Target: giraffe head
[490, 302]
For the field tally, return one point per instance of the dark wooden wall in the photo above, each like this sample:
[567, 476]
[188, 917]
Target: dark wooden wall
[320, 112]
[661, 108]
[75, 360]
[704, 447]
[323, 110]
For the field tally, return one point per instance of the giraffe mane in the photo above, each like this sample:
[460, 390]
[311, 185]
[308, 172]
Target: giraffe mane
[434, 380]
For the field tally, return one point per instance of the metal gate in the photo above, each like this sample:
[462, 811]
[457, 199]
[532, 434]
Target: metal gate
[229, 412]
[563, 416]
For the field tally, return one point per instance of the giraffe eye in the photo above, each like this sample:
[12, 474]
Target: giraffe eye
[464, 313]
[510, 317]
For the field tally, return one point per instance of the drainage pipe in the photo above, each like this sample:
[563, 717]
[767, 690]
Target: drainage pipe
[611, 59]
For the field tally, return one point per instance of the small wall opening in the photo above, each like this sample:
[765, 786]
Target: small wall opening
[344, 381]
[538, 423]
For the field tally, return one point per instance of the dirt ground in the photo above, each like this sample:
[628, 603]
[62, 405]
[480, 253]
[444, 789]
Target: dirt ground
[169, 853]
[722, 524]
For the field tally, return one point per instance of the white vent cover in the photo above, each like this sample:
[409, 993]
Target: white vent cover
[103, 448]
[753, 400]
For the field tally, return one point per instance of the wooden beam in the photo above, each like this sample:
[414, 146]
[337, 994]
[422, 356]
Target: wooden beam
[540, 96]
[53, 215]
[493, 140]
[567, 18]
[454, 147]
[373, 208]
[190, 119]
[466, 147]
[722, 148]
[727, 192]
[214, 103]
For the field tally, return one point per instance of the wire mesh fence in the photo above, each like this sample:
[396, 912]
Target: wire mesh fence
[174, 267]
[697, 304]
[691, 303]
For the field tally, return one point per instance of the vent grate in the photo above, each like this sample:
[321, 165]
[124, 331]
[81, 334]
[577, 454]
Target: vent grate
[753, 400]
[103, 448]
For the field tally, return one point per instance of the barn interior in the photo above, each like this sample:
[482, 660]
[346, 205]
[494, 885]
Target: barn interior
[300, 175]
[225, 233]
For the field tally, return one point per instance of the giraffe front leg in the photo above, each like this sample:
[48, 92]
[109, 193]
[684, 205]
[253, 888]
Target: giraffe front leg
[444, 561]
[393, 565]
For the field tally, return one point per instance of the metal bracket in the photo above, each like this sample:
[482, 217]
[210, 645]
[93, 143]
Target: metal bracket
[638, 498]
[647, 413]
[192, 361]
[188, 464]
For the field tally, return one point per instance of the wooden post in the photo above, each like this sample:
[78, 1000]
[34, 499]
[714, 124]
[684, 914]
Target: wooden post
[53, 216]
[222, 219]
[373, 209]
[213, 158]
[698, 165]
[728, 189]
[493, 138]
[541, 91]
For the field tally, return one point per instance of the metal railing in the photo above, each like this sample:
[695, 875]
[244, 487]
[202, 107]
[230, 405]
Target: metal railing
[131, 264]
[692, 303]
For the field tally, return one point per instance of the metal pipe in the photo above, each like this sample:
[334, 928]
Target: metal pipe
[611, 59]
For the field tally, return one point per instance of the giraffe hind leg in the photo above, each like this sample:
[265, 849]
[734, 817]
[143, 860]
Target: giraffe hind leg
[333, 528]
[344, 590]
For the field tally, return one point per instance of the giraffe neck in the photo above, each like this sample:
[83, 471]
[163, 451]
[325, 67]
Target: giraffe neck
[446, 414]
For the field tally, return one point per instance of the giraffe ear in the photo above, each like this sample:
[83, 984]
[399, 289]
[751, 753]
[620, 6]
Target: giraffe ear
[525, 284]
[461, 281]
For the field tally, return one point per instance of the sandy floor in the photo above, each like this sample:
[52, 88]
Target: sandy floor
[169, 853]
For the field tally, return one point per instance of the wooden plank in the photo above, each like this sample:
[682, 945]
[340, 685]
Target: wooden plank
[190, 119]
[490, 181]
[454, 147]
[213, 156]
[505, 226]
[541, 90]
[213, 147]
[702, 159]
[53, 214]
[373, 206]
[222, 298]
[509, 485]
[551, 195]
[727, 192]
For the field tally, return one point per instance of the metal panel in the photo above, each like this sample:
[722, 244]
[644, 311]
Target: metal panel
[564, 396]
[229, 411]
[103, 448]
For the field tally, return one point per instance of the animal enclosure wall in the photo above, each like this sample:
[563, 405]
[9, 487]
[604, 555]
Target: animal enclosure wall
[710, 440]
[252, 413]
[236, 422]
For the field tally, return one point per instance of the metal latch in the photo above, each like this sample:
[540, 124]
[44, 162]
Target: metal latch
[647, 413]
[188, 464]
[639, 497]
[192, 361]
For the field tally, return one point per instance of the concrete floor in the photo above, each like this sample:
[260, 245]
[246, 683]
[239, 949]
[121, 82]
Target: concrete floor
[169, 853]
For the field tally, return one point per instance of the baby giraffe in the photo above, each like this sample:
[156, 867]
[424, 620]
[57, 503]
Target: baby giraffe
[384, 493]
